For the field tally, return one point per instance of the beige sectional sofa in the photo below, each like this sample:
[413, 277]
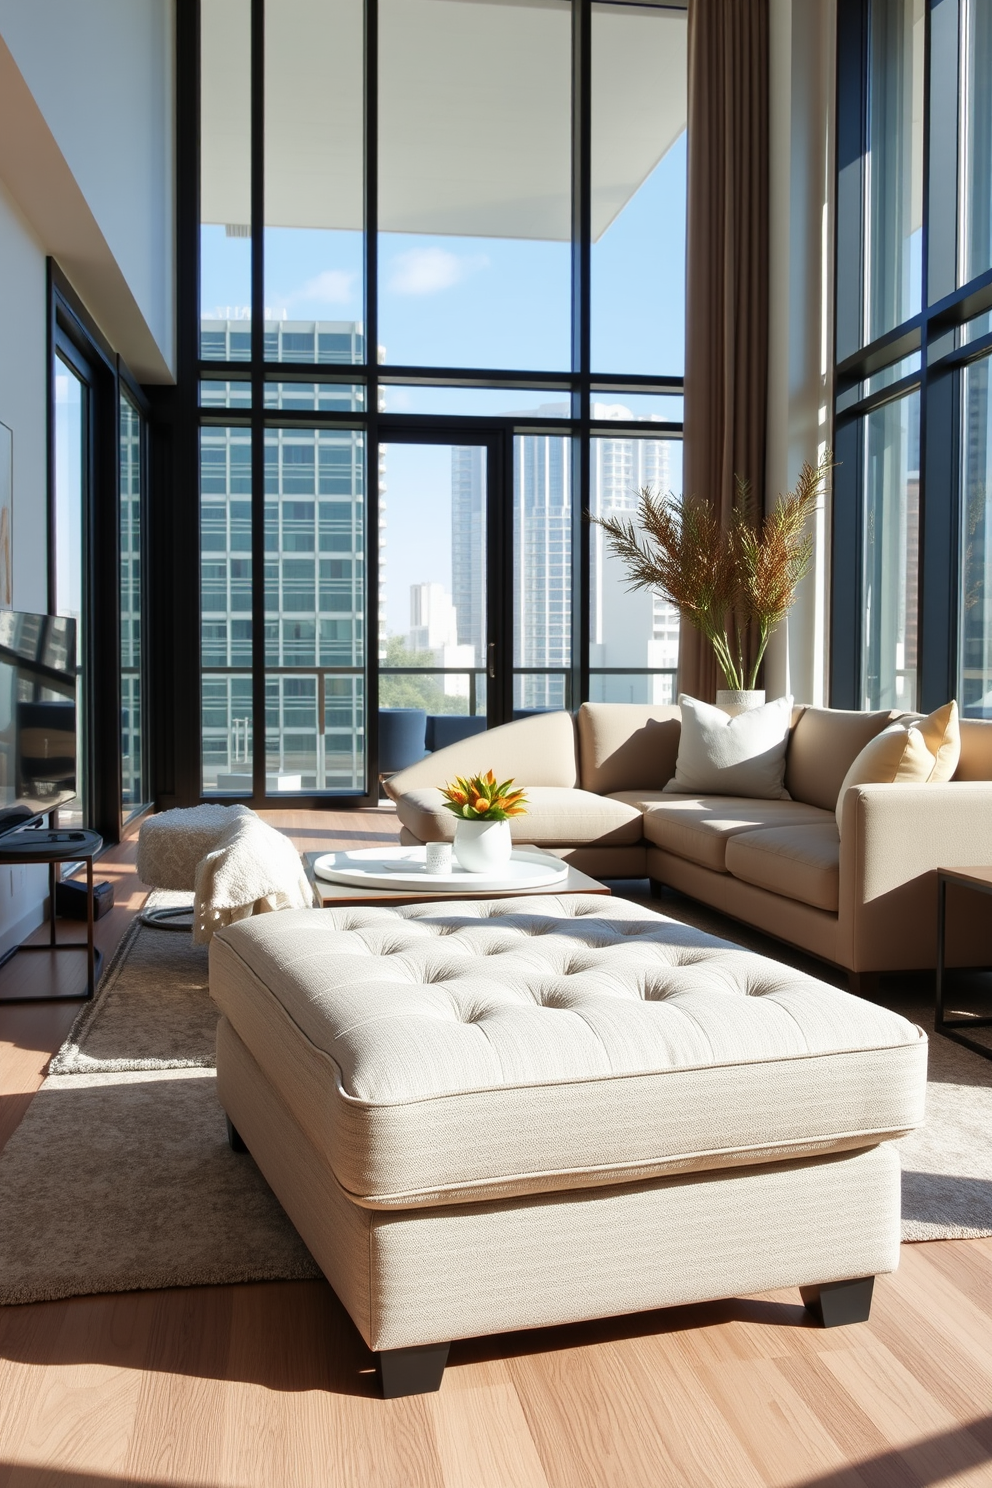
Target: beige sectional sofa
[863, 898]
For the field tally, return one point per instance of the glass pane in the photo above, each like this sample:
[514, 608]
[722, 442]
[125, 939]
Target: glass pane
[432, 577]
[225, 180]
[314, 600]
[892, 535]
[71, 403]
[975, 170]
[133, 785]
[895, 163]
[314, 732]
[639, 80]
[225, 607]
[542, 567]
[974, 330]
[326, 397]
[226, 702]
[629, 629]
[976, 537]
[475, 402]
[475, 183]
[314, 127]
[221, 394]
[621, 407]
[633, 687]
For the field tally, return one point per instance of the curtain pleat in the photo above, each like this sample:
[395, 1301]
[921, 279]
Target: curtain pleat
[726, 358]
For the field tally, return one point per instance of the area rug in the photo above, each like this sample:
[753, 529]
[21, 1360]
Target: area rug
[120, 1177]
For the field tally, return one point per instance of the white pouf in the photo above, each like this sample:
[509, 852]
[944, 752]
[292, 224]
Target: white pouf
[172, 844]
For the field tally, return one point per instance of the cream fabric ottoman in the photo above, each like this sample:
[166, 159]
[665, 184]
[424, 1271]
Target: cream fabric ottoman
[483, 1116]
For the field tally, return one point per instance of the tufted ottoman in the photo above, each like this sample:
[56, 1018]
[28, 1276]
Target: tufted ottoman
[492, 1115]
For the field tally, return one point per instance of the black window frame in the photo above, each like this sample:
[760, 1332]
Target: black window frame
[74, 338]
[178, 416]
[945, 307]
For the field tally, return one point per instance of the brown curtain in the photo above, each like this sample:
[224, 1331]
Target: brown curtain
[726, 357]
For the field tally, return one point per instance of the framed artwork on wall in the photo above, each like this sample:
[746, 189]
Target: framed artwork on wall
[6, 517]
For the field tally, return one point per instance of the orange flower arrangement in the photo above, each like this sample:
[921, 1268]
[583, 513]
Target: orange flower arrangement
[480, 798]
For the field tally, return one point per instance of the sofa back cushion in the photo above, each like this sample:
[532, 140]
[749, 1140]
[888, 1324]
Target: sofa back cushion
[539, 750]
[976, 749]
[823, 746]
[742, 755]
[627, 746]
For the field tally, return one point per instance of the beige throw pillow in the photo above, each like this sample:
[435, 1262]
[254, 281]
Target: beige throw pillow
[724, 756]
[921, 753]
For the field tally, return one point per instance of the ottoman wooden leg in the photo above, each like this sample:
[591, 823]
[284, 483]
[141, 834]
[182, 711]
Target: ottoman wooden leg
[234, 1137]
[657, 888]
[840, 1302]
[412, 1371]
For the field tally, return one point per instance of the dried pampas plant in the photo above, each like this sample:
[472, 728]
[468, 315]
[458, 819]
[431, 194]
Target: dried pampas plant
[722, 581]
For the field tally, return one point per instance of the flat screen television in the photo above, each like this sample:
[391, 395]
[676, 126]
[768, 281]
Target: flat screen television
[37, 716]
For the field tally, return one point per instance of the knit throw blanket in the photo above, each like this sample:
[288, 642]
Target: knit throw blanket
[252, 870]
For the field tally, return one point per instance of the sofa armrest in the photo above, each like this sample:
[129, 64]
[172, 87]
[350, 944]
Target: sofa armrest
[893, 839]
[539, 750]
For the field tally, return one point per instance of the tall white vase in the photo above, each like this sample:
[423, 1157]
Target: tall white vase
[733, 703]
[482, 846]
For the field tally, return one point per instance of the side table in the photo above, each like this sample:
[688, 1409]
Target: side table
[52, 847]
[980, 880]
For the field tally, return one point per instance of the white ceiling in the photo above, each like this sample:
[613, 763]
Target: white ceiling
[474, 113]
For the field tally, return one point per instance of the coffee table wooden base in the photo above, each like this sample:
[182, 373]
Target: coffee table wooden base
[328, 895]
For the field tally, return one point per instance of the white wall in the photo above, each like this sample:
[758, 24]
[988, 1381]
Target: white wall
[23, 409]
[102, 76]
[800, 404]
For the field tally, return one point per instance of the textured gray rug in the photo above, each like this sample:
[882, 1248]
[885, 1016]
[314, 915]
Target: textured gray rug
[119, 1177]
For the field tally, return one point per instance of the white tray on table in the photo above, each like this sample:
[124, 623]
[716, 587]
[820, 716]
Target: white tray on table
[405, 868]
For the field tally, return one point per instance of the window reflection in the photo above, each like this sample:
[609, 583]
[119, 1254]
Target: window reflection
[976, 540]
[133, 784]
[975, 171]
[891, 548]
[895, 163]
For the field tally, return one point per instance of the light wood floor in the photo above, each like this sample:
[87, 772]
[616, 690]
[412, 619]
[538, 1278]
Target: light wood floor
[270, 1385]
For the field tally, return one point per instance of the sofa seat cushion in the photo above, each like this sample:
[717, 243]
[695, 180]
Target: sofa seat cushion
[800, 862]
[556, 817]
[444, 1052]
[699, 827]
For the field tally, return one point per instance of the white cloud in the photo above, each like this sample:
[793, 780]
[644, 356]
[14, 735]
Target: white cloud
[424, 271]
[332, 287]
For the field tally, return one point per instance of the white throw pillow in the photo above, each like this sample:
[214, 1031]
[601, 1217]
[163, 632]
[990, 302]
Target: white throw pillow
[724, 756]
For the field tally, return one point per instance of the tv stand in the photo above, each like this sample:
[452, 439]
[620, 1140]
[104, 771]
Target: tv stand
[53, 846]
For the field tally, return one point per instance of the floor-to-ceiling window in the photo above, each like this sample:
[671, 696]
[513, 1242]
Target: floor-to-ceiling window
[440, 321]
[72, 476]
[97, 538]
[910, 614]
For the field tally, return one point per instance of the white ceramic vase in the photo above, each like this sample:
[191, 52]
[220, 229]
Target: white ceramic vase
[733, 703]
[482, 846]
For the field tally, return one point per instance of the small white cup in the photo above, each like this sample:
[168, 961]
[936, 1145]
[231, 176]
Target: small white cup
[438, 857]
